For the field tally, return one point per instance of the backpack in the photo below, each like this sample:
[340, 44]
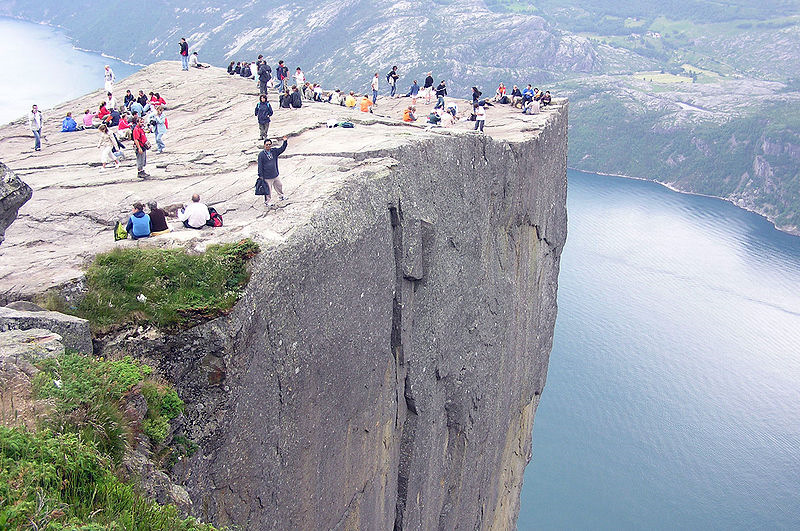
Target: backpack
[389, 78]
[216, 219]
[119, 232]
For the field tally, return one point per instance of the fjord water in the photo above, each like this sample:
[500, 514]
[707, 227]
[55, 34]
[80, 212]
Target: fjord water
[40, 66]
[673, 392]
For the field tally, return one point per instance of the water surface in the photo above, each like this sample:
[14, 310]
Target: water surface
[672, 398]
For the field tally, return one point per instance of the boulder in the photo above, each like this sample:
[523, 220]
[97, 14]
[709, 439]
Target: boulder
[13, 194]
[74, 330]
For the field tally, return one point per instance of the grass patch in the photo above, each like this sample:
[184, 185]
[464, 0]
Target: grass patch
[169, 288]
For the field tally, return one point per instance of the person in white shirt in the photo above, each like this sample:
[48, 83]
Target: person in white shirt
[195, 214]
[299, 78]
[480, 117]
[35, 121]
[375, 89]
[109, 79]
[111, 102]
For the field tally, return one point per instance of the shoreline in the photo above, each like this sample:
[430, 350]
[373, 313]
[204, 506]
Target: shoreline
[672, 188]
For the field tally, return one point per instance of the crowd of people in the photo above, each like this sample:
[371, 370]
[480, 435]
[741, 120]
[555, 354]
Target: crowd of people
[193, 215]
[132, 118]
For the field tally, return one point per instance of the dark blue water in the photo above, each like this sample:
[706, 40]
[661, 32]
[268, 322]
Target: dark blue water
[673, 394]
[40, 66]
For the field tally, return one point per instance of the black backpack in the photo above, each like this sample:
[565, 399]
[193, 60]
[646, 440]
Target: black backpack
[216, 218]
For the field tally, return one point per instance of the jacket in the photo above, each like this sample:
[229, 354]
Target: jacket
[264, 72]
[441, 90]
[161, 123]
[141, 100]
[428, 82]
[414, 90]
[138, 225]
[35, 121]
[184, 49]
[246, 72]
[68, 125]
[282, 72]
[268, 162]
[263, 111]
[158, 220]
[296, 100]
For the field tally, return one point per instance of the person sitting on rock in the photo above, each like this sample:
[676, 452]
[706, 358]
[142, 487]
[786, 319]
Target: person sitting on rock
[547, 98]
[139, 223]
[296, 100]
[124, 127]
[115, 118]
[366, 103]
[350, 100]
[516, 96]
[136, 108]
[237, 70]
[88, 120]
[434, 118]
[246, 72]
[158, 220]
[285, 100]
[408, 114]
[128, 99]
[193, 61]
[68, 124]
[111, 101]
[530, 107]
[231, 68]
[268, 169]
[500, 94]
[527, 94]
[336, 97]
[141, 99]
[103, 114]
[317, 92]
[195, 214]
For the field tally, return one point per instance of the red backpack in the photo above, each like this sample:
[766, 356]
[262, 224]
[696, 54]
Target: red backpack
[216, 218]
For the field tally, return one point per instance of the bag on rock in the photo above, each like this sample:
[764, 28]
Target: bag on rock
[119, 232]
[216, 219]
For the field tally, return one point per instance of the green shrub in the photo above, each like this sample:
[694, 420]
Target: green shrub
[166, 287]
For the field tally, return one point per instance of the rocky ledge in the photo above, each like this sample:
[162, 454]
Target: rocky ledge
[383, 367]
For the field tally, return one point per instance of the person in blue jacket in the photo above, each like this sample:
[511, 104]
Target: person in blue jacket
[268, 169]
[139, 223]
[69, 124]
[263, 112]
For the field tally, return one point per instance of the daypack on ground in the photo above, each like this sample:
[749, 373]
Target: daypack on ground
[216, 218]
[119, 232]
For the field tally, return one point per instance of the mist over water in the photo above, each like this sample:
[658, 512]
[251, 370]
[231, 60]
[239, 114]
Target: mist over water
[673, 396]
[40, 66]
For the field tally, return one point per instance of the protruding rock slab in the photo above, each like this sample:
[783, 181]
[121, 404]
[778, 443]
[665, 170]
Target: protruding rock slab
[74, 330]
[13, 194]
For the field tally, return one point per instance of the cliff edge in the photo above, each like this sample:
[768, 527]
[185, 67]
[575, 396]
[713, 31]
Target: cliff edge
[13, 194]
[383, 367]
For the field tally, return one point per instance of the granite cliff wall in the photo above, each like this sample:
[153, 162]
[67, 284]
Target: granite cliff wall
[384, 366]
[13, 194]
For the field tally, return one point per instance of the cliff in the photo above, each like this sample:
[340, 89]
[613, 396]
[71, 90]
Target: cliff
[384, 365]
[13, 194]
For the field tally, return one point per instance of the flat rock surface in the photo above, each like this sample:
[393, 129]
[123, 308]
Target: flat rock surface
[212, 148]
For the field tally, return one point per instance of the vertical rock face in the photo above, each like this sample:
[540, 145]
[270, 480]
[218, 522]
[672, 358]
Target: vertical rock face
[13, 194]
[384, 366]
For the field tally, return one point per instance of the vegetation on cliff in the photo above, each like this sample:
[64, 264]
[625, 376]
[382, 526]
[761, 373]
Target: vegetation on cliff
[169, 288]
[64, 476]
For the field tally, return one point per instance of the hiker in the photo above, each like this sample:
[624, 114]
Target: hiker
[184, 53]
[264, 75]
[435, 118]
[441, 92]
[142, 145]
[111, 101]
[158, 219]
[366, 104]
[268, 169]
[527, 94]
[317, 92]
[263, 113]
[285, 100]
[413, 92]
[350, 100]
[530, 107]
[68, 124]
[108, 147]
[103, 114]
[124, 127]
[128, 99]
[246, 72]
[139, 223]
[141, 100]
[283, 73]
[231, 67]
[546, 99]
[109, 79]
[374, 89]
[480, 116]
[500, 94]
[408, 114]
[516, 96]
[35, 122]
[137, 108]
[427, 88]
[391, 79]
[88, 118]
[161, 127]
[195, 214]
[296, 100]
[336, 97]
[195, 64]
[114, 118]
[299, 77]
[476, 95]
[308, 91]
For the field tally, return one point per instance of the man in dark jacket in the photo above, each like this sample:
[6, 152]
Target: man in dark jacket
[427, 88]
[184, 55]
[441, 92]
[282, 72]
[297, 99]
[263, 112]
[158, 219]
[246, 71]
[264, 75]
[268, 169]
[142, 99]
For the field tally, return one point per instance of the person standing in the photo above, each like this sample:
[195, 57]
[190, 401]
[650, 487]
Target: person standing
[140, 140]
[441, 92]
[268, 169]
[480, 117]
[184, 54]
[263, 113]
[375, 89]
[283, 73]
[35, 122]
[392, 78]
[413, 92]
[107, 146]
[299, 78]
[427, 88]
[160, 120]
[264, 75]
[109, 79]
